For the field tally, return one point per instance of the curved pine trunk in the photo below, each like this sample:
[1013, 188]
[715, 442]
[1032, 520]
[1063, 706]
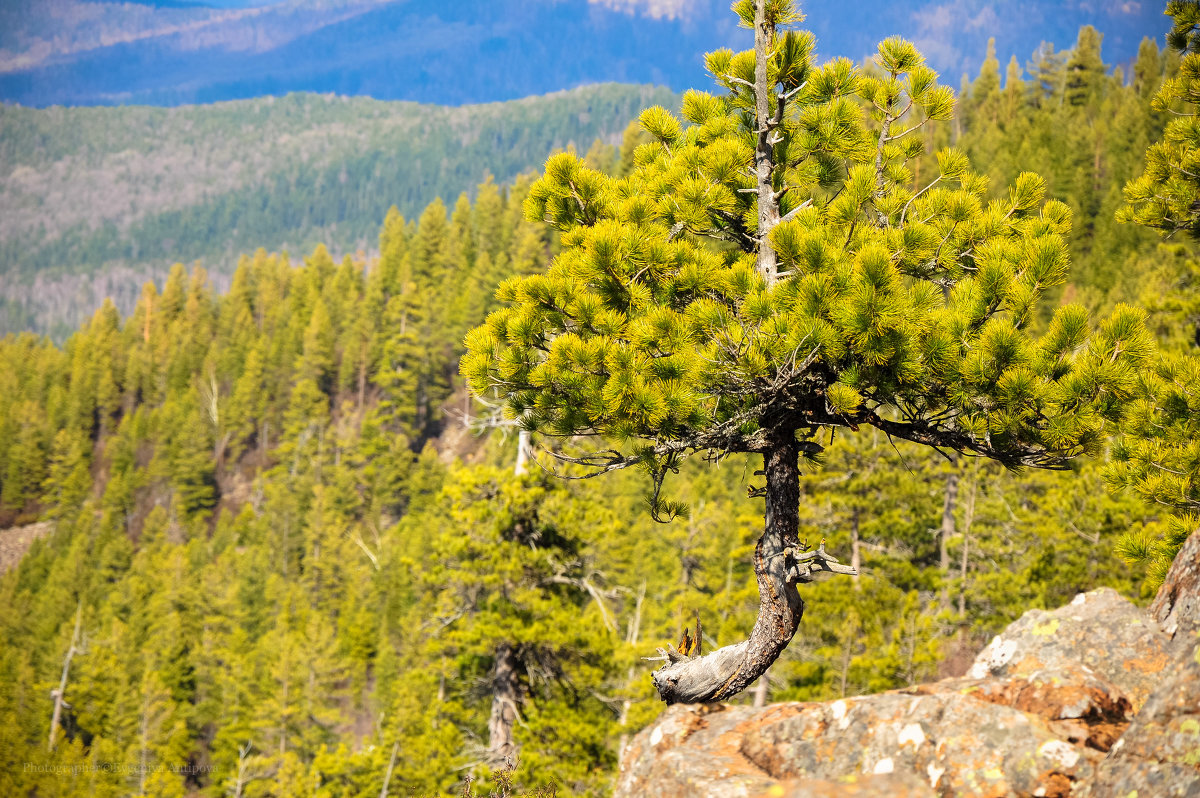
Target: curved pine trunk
[779, 566]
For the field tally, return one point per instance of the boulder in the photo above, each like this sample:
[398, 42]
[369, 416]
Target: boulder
[1177, 605]
[1159, 755]
[697, 750]
[1099, 634]
[694, 750]
[1036, 715]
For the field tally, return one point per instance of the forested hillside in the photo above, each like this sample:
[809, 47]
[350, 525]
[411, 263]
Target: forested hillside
[97, 198]
[290, 556]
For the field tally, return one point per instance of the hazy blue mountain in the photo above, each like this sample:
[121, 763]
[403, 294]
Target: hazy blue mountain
[165, 52]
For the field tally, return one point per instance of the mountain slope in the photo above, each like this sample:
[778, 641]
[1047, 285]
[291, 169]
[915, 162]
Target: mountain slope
[90, 190]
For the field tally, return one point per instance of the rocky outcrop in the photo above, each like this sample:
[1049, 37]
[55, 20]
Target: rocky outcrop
[1099, 634]
[1159, 755]
[1093, 698]
[15, 541]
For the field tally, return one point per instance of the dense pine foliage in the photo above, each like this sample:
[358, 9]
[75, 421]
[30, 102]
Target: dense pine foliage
[299, 555]
[770, 275]
[1159, 458]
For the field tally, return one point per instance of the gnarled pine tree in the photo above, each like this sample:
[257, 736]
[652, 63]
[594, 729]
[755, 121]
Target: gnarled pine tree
[770, 273]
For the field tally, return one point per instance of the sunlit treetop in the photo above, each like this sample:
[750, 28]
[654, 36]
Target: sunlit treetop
[1164, 196]
[771, 264]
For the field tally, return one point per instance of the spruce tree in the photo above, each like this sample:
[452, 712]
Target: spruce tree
[1085, 68]
[769, 274]
[1047, 71]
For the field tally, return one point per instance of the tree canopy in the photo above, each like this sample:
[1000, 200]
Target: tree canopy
[769, 272]
[908, 310]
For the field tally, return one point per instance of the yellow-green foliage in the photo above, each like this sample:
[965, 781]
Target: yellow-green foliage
[282, 568]
[917, 303]
[1159, 457]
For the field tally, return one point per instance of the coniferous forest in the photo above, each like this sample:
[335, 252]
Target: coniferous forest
[282, 550]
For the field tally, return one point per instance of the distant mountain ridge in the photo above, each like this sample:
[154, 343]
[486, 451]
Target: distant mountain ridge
[87, 194]
[88, 52]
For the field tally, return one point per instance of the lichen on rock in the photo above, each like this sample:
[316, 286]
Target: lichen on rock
[1047, 709]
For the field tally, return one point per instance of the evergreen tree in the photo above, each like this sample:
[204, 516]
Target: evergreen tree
[1085, 68]
[1164, 196]
[1047, 70]
[846, 300]
[985, 91]
[1147, 70]
[1159, 457]
[523, 613]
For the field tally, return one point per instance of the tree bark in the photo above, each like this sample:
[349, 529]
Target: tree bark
[506, 697]
[764, 150]
[855, 549]
[387, 779]
[968, 520]
[523, 448]
[632, 636]
[947, 531]
[779, 564]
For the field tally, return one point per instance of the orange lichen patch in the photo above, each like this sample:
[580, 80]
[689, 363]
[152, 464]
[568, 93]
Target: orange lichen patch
[1027, 664]
[773, 714]
[732, 743]
[1151, 664]
[1055, 785]
[1094, 715]
[1057, 701]
[662, 759]
[892, 785]
[933, 688]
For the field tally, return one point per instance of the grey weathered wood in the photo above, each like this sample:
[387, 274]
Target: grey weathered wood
[60, 693]
[764, 148]
[387, 778]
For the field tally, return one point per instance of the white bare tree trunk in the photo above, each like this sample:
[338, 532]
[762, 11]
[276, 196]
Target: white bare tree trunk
[59, 694]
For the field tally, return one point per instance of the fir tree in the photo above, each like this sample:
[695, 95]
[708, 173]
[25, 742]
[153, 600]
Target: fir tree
[1047, 70]
[1085, 68]
[841, 298]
